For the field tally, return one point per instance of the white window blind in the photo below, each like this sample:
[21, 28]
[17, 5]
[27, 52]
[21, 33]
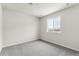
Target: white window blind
[53, 24]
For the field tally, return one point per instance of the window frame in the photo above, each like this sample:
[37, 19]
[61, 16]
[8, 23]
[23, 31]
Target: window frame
[58, 30]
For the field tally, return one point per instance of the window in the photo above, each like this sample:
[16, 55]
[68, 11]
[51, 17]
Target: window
[53, 24]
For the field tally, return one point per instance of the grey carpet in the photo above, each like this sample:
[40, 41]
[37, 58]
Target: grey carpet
[37, 48]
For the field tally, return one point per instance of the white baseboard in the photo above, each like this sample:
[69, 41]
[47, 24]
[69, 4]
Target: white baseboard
[19, 42]
[46, 39]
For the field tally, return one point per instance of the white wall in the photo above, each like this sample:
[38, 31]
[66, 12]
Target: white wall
[0, 27]
[18, 27]
[69, 36]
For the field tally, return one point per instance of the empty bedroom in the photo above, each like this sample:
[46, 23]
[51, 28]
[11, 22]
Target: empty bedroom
[39, 29]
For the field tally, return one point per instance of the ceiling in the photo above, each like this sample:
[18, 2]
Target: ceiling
[36, 9]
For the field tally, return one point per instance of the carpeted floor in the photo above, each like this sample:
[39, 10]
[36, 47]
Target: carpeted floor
[37, 48]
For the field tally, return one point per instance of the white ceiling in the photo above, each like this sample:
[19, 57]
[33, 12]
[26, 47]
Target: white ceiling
[36, 9]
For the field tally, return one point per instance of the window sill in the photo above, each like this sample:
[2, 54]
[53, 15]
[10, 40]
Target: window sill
[54, 31]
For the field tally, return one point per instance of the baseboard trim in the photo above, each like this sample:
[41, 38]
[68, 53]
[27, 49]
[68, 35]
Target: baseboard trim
[4, 46]
[60, 45]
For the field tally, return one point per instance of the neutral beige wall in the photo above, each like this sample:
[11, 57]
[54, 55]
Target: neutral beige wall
[18, 27]
[69, 36]
[0, 27]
